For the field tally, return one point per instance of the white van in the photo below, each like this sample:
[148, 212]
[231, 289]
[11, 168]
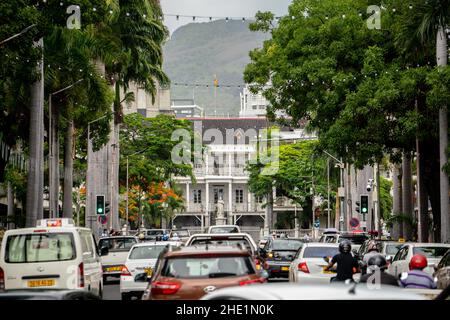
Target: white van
[53, 255]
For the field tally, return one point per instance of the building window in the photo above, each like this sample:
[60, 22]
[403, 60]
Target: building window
[239, 196]
[197, 196]
[218, 194]
[259, 199]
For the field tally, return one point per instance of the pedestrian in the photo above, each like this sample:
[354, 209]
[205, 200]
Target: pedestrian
[376, 268]
[416, 277]
[105, 233]
[346, 263]
[111, 232]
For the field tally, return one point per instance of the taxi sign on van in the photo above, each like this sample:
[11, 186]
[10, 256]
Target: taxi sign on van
[61, 222]
[401, 239]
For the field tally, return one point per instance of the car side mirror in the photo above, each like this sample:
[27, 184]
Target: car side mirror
[104, 251]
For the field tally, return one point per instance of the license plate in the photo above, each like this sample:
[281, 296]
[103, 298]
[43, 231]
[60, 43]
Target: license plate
[41, 283]
[113, 269]
[284, 268]
[149, 271]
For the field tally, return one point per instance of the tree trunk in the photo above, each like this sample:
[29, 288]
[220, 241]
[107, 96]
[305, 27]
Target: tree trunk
[68, 171]
[422, 197]
[54, 162]
[442, 57]
[397, 229]
[270, 213]
[10, 201]
[407, 195]
[35, 181]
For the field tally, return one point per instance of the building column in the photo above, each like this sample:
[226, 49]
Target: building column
[230, 201]
[249, 200]
[229, 164]
[207, 205]
[188, 196]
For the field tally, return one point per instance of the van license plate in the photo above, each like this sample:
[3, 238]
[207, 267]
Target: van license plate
[41, 283]
[113, 269]
[284, 268]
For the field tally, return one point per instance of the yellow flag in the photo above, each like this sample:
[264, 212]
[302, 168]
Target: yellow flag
[216, 82]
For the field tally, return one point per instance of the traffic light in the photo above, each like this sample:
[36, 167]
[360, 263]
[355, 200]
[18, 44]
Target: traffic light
[100, 207]
[357, 207]
[364, 204]
[107, 208]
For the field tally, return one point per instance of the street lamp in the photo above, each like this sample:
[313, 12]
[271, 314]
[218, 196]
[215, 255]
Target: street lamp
[53, 194]
[18, 34]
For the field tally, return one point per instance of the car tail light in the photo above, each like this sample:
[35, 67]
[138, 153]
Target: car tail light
[166, 288]
[302, 266]
[125, 272]
[2, 279]
[253, 281]
[81, 275]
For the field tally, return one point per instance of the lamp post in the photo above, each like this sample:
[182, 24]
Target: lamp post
[52, 168]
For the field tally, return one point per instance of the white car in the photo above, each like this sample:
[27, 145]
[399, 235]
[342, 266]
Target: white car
[432, 251]
[139, 266]
[227, 239]
[308, 264]
[226, 228]
[53, 255]
[118, 248]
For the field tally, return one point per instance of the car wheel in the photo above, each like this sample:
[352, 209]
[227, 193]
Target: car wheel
[126, 297]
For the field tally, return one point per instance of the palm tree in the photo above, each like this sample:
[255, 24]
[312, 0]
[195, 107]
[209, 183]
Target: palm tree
[421, 27]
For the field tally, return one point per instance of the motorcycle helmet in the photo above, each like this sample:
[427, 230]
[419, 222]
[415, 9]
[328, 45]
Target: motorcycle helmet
[141, 236]
[418, 261]
[377, 261]
[345, 246]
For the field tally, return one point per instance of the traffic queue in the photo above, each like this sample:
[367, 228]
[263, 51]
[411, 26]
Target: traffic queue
[58, 260]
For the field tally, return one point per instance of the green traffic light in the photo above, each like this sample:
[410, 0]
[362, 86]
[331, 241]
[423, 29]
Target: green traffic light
[364, 210]
[100, 210]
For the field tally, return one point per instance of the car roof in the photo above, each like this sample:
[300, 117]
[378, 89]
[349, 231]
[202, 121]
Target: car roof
[118, 237]
[291, 291]
[223, 225]
[196, 250]
[321, 244]
[156, 243]
[425, 244]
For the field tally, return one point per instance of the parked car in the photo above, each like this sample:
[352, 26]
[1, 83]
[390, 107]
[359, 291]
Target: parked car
[42, 294]
[442, 272]
[309, 264]
[278, 254]
[139, 266]
[290, 291]
[118, 248]
[191, 272]
[53, 255]
[432, 251]
[228, 228]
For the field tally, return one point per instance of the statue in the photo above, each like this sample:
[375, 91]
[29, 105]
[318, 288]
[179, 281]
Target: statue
[220, 209]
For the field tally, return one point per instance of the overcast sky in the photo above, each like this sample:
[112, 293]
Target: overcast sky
[231, 8]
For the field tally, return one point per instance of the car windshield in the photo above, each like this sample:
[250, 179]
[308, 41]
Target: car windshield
[392, 249]
[224, 230]
[320, 252]
[224, 242]
[354, 239]
[431, 252]
[291, 245]
[117, 243]
[146, 252]
[42, 247]
[155, 232]
[208, 267]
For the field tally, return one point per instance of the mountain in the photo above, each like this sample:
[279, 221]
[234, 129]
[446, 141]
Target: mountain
[198, 51]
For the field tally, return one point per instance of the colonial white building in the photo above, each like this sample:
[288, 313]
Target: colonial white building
[252, 105]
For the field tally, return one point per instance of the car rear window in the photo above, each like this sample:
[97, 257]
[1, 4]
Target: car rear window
[181, 233]
[147, 252]
[42, 247]
[117, 244]
[223, 242]
[155, 232]
[392, 249]
[291, 245]
[354, 239]
[224, 230]
[431, 252]
[208, 267]
[320, 252]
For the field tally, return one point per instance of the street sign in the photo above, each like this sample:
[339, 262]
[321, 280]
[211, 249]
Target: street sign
[102, 219]
[317, 223]
[354, 222]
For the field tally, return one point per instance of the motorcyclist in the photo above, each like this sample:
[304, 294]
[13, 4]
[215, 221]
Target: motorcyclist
[378, 263]
[346, 263]
[372, 250]
[416, 277]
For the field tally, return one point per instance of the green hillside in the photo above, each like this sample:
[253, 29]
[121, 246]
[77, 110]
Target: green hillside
[198, 51]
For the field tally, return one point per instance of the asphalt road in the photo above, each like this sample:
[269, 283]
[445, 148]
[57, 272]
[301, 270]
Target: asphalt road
[112, 290]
